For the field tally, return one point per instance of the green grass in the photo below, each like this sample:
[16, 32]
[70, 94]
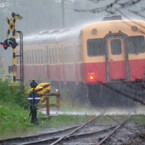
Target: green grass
[63, 120]
[138, 119]
[14, 121]
[13, 110]
[13, 118]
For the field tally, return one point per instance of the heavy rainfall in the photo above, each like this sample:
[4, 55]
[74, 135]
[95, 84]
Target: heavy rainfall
[89, 54]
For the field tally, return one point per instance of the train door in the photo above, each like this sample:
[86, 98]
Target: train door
[116, 59]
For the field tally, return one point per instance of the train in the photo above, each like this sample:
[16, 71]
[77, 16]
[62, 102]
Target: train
[105, 52]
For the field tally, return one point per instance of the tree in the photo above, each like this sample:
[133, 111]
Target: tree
[115, 7]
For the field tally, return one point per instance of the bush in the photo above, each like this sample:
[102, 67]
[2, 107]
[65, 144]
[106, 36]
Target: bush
[11, 94]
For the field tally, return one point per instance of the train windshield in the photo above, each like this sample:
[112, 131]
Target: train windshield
[135, 44]
[116, 46]
[96, 47]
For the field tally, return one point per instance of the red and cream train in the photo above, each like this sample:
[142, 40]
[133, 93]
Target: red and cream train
[103, 52]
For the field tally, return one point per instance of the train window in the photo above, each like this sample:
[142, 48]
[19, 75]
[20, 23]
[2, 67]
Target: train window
[38, 55]
[50, 53]
[135, 44]
[53, 53]
[116, 46]
[43, 56]
[33, 57]
[61, 53]
[30, 56]
[96, 47]
[47, 55]
[26, 58]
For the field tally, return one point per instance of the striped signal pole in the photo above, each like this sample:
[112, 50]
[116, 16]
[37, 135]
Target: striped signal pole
[14, 34]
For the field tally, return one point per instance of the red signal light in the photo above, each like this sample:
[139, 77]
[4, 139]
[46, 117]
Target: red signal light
[3, 45]
[92, 77]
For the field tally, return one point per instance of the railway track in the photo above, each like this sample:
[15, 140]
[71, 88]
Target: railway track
[68, 135]
[113, 131]
[21, 140]
[48, 136]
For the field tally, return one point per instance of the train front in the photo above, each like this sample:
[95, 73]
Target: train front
[113, 51]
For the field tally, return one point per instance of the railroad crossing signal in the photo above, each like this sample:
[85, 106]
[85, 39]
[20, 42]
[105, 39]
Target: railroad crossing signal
[13, 42]
[5, 44]
[9, 42]
[12, 25]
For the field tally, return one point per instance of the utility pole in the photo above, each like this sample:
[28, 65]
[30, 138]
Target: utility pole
[63, 13]
[21, 59]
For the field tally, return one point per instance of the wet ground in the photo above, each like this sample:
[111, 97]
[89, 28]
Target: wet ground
[131, 134]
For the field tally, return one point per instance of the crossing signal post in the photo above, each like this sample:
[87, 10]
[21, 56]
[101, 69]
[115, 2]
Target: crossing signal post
[9, 42]
[14, 33]
[12, 40]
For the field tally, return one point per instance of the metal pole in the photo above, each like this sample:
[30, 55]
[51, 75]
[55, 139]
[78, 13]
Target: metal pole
[21, 59]
[63, 14]
[14, 18]
[3, 68]
[48, 106]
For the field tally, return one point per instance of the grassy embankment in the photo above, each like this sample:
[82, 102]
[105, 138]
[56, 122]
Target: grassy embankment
[14, 113]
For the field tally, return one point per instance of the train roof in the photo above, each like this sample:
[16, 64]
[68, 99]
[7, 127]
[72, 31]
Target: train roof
[114, 26]
[52, 36]
[113, 22]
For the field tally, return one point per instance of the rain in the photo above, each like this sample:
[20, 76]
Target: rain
[91, 51]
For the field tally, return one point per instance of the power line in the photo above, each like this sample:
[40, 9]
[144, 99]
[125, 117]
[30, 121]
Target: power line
[109, 8]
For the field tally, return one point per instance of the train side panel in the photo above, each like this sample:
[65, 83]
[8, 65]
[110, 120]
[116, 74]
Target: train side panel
[137, 69]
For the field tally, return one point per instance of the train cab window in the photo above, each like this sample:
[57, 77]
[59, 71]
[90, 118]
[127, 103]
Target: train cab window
[96, 47]
[116, 46]
[135, 44]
